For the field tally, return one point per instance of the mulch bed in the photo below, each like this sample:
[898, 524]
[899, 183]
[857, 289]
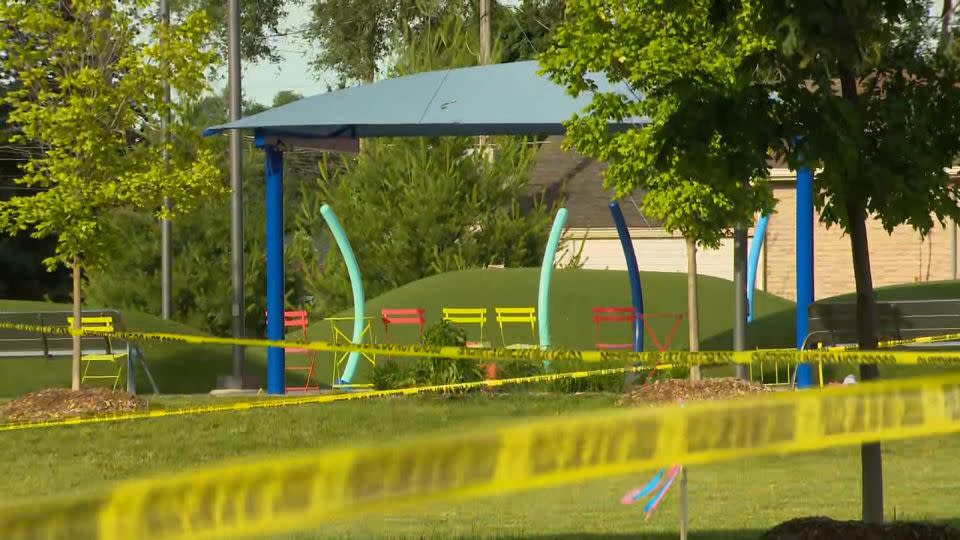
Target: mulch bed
[672, 390]
[821, 528]
[60, 403]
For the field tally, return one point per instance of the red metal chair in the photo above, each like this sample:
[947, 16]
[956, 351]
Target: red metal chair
[629, 315]
[647, 317]
[298, 319]
[402, 316]
[617, 315]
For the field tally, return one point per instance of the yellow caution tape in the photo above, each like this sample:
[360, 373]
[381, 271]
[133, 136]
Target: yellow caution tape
[269, 403]
[886, 344]
[892, 343]
[277, 493]
[679, 358]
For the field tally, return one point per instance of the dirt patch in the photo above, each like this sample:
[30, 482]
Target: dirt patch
[60, 403]
[821, 528]
[672, 390]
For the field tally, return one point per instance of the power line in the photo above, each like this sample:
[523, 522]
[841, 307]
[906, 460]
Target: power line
[513, 15]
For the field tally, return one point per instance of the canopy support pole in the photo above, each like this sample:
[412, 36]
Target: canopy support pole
[275, 279]
[633, 272]
[804, 267]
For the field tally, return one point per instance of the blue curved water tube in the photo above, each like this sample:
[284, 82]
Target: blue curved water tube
[759, 232]
[636, 291]
[356, 283]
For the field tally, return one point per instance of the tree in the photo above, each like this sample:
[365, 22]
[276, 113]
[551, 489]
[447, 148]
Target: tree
[467, 216]
[359, 48]
[357, 37]
[259, 21]
[201, 296]
[526, 30]
[89, 92]
[856, 89]
[695, 161]
[23, 256]
[469, 212]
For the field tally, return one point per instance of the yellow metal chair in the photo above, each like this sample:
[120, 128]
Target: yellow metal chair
[340, 337]
[108, 357]
[517, 315]
[469, 316]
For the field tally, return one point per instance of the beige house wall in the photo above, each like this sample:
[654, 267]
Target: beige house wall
[656, 250]
[898, 257]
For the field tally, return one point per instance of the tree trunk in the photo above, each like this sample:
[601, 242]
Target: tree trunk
[946, 23]
[693, 316]
[868, 324]
[75, 366]
[871, 460]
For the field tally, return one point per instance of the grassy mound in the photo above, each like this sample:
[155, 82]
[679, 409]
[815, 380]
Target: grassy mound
[574, 294]
[930, 290]
[192, 369]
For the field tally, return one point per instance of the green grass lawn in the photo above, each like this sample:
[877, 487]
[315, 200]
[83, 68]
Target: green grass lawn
[178, 368]
[728, 500]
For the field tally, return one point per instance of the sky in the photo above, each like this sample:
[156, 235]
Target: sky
[262, 81]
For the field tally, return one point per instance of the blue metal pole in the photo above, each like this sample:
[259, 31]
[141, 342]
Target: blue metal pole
[753, 262]
[275, 279]
[804, 266]
[636, 292]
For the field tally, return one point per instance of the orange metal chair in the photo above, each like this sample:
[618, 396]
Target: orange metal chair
[614, 315]
[298, 319]
[662, 345]
[402, 316]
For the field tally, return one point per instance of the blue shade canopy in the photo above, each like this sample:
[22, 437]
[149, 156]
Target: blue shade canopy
[499, 99]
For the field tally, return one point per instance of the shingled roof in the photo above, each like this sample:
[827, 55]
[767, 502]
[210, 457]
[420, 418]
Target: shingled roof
[580, 179]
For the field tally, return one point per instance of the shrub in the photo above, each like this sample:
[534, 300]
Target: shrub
[433, 371]
[429, 371]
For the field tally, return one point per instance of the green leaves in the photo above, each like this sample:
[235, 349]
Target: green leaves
[88, 89]
[707, 70]
[417, 207]
[259, 21]
[702, 160]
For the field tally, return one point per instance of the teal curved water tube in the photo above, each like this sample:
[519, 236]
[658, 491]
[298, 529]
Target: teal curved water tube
[356, 284]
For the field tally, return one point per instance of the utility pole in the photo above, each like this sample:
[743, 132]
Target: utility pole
[740, 297]
[166, 227]
[485, 45]
[238, 305]
[485, 51]
[953, 250]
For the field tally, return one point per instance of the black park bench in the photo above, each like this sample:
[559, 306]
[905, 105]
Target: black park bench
[835, 323]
